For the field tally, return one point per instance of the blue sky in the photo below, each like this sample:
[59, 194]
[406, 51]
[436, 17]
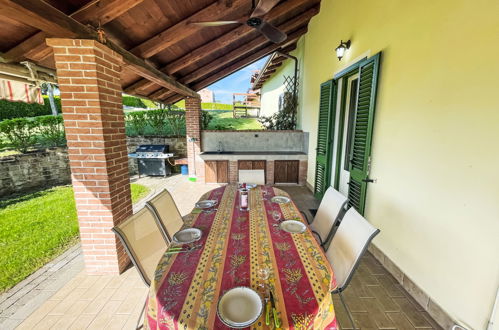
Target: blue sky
[238, 82]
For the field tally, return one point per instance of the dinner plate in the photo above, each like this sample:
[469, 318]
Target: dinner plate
[239, 307]
[206, 204]
[280, 199]
[186, 236]
[293, 226]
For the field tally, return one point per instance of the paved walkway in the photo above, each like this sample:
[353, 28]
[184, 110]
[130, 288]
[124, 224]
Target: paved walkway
[114, 302]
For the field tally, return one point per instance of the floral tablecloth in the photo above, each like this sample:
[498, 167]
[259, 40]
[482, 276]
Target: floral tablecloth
[235, 245]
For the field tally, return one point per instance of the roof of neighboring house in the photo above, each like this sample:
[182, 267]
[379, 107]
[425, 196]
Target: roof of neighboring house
[269, 68]
[155, 36]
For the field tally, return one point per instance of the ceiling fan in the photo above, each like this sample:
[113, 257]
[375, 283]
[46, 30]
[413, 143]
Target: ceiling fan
[255, 21]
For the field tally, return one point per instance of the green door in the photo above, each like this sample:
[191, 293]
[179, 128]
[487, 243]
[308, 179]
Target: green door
[360, 152]
[327, 106]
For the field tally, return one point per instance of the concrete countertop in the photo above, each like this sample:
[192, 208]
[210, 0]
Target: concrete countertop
[253, 155]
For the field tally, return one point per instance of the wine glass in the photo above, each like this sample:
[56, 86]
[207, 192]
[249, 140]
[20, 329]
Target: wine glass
[276, 215]
[263, 274]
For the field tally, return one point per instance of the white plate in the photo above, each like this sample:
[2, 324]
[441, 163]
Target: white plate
[206, 204]
[186, 236]
[293, 226]
[240, 307]
[280, 199]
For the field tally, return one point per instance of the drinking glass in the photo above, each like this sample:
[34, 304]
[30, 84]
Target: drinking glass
[276, 215]
[263, 275]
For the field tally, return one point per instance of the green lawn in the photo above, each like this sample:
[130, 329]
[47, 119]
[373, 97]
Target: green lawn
[36, 227]
[223, 118]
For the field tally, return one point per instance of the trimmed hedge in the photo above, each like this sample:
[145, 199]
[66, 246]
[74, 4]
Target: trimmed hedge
[9, 110]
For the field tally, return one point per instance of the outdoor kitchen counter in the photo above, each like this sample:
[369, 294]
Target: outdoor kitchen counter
[253, 155]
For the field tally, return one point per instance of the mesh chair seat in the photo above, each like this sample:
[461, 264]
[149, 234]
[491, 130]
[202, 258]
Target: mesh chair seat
[143, 242]
[166, 213]
[328, 215]
[348, 245]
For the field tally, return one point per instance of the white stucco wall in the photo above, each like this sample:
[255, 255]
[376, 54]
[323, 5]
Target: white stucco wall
[436, 134]
[274, 86]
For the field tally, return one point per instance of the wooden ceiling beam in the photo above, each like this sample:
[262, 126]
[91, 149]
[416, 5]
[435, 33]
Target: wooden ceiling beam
[103, 11]
[216, 11]
[159, 94]
[211, 47]
[233, 67]
[289, 46]
[41, 15]
[248, 47]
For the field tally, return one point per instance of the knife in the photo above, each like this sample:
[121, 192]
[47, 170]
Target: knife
[277, 321]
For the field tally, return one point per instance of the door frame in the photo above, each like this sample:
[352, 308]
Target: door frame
[345, 74]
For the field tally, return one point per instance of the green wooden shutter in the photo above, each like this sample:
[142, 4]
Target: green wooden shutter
[327, 107]
[360, 151]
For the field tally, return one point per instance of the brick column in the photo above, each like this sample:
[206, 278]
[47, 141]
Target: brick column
[302, 172]
[89, 79]
[270, 172]
[193, 132]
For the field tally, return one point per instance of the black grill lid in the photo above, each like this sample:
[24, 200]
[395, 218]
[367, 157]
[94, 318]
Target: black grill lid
[163, 148]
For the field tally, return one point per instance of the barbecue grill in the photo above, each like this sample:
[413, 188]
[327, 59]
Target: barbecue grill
[153, 160]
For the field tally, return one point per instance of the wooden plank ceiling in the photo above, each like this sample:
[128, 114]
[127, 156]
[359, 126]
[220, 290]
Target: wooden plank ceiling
[165, 56]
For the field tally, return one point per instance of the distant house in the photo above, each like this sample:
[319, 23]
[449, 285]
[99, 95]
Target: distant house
[207, 95]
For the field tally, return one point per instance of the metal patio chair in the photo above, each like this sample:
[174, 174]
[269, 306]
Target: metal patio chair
[347, 247]
[166, 214]
[144, 244]
[331, 210]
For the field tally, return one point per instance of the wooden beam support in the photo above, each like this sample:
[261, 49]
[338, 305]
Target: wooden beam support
[283, 9]
[181, 30]
[104, 11]
[290, 45]
[159, 94]
[292, 38]
[249, 47]
[44, 16]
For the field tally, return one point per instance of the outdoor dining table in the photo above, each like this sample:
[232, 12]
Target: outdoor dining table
[235, 245]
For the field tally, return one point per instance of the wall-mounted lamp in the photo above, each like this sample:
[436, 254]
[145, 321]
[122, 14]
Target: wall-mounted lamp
[340, 50]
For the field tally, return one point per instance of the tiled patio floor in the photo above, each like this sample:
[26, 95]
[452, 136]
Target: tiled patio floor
[114, 302]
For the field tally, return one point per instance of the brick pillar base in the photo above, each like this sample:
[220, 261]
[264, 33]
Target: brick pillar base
[90, 83]
[193, 132]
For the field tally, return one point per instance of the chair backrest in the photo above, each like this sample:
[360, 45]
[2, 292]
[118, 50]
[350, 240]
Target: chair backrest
[329, 213]
[143, 242]
[348, 245]
[166, 213]
[252, 176]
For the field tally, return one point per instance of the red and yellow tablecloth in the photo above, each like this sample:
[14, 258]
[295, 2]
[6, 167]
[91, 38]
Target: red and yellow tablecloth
[187, 286]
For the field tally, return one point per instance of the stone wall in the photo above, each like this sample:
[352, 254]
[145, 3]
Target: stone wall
[26, 172]
[19, 173]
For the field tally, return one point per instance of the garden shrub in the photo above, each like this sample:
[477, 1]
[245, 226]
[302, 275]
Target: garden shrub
[51, 130]
[206, 117]
[20, 133]
[176, 120]
[285, 118]
[137, 121]
[157, 119]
